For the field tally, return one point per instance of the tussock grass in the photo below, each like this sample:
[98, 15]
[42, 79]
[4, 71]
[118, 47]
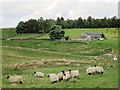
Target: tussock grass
[54, 56]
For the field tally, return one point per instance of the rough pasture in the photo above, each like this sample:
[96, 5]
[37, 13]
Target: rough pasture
[26, 56]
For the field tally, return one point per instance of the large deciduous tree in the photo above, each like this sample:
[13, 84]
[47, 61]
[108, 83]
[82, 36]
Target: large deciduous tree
[20, 27]
[56, 32]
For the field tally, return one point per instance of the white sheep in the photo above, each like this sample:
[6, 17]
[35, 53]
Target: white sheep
[66, 75]
[99, 70]
[39, 74]
[60, 76]
[94, 70]
[91, 70]
[74, 73]
[15, 79]
[53, 77]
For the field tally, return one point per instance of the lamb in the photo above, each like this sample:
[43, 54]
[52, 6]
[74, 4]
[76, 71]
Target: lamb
[15, 79]
[39, 74]
[53, 77]
[74, 73]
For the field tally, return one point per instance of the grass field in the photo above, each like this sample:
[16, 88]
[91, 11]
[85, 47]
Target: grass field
[55, 56]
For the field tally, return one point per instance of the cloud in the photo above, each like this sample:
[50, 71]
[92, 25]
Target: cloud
[1, 19]
[13, 12]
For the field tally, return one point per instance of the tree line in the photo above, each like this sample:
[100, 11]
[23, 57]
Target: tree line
[44, 25]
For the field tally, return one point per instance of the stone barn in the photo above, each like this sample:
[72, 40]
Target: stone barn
[93, 36]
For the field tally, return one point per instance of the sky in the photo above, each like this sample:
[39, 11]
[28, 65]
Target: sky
[14, 11]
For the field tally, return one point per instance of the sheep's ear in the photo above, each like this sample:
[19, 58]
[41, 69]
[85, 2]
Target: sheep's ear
[48, 75]
[63, 71]
[8, 77]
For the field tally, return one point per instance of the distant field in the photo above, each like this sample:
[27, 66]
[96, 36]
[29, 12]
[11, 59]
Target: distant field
[109, 33]
[60, 56]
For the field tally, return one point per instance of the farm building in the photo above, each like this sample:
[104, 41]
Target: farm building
[93, 36]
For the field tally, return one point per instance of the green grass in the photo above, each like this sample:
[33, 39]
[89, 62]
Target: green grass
[8, 33]
[84, 55]
[21, 36]
[109, 32]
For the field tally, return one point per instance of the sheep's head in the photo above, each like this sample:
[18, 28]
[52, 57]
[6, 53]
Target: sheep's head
[8, 77]
[20, 82]
[63, 72]
[34, 72]
[48, 75]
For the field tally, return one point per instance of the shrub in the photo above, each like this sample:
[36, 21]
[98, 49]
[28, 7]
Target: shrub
[56, 32]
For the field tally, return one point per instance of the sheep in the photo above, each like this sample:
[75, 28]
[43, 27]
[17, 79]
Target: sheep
[91, 70]
[74, 73]
[39, 74]
[53, 77]
[15, 79]
[60, 76]
[99, 70]
[66, 75]
[94, 70]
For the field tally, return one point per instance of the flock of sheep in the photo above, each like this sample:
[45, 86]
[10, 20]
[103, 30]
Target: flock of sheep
[63, 75]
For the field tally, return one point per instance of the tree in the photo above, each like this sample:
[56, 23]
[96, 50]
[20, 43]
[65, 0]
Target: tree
[80, 23]
[31, 26]
[47, 25]
[69, 23]
[91, 21]
[41, 25]
[56, 32]
[20, 27]
[61, 22]
[114, 21]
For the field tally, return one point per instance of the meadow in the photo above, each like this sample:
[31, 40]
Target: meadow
[55, 56]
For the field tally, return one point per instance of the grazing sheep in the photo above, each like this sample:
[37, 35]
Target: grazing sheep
[15, 79]
[74, 73]
[99, 70]
[60, 76]
[66, 75]
[39, 74]
[91, 70]
[94, 70]
[53, 77]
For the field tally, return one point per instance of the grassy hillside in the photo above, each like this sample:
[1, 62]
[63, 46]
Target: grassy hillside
[109, 33]
[54, 56]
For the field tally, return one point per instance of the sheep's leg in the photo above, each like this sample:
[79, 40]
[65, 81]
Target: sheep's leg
[54, 82]
[102, 72]
[89, 73]
[98, 72]
[60, 79]
[20, 82]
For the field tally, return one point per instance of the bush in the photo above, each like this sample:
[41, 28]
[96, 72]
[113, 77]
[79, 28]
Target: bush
[56, 32]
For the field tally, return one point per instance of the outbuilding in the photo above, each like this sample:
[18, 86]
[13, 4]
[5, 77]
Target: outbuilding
[93, 35]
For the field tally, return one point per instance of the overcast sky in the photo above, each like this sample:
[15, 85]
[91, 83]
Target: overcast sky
[11, 13]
